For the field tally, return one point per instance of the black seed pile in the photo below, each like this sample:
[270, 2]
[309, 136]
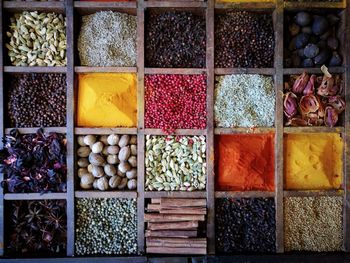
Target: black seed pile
[244, 39]
[175, 40]
[37, 100]
[244, 225]
[311, 40]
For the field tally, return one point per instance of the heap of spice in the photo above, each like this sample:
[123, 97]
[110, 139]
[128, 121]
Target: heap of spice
[106, 226]
[34, 163]
[173, 226]
[107, 100]
[175, 102]
[311, 39]
[107, 162]
[313, 223]
[245, 225]
[108, 39]
[37, 100]
[175, 163]
[313, 161]
[313, 100]
[37, 227]
[244, 39]
[37, 39]
[244, 100]
[245, 162]
[175, 40]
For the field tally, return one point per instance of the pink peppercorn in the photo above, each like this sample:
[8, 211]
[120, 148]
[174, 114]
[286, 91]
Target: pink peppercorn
[175, 102]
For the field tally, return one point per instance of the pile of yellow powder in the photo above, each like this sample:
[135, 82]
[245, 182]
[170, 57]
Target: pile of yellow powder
[313, 161]
[107, 100]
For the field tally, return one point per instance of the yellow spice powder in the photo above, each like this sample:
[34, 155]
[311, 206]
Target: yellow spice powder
[313, 161]
[107, 100]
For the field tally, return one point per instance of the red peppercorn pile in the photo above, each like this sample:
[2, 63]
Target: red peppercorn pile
[175, 102]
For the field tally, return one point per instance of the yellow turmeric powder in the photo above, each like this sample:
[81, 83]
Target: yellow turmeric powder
[107, 100]
[313, 161]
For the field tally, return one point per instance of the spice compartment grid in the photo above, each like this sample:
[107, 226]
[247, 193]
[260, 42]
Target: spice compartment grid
[277, 71]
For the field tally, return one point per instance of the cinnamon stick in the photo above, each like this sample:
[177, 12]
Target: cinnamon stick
[166, 244]
[187, 211]
[173, 225]
[177, 250]
[153, 207]
[171, 233]
[172, 218]
[181, 202]
[176, 240]
[155, 200]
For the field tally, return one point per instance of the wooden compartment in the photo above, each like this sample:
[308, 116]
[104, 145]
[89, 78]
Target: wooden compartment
[73, 11]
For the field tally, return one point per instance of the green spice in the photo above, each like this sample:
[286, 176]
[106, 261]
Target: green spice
[106, 226]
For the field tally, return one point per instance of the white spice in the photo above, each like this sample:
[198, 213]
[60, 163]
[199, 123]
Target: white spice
[244, 100]
[108, 39]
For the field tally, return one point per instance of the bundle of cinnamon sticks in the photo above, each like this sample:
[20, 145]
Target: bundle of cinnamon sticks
[172, 226]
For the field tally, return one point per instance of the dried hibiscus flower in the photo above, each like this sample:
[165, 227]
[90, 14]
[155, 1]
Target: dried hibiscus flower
[34, 163]
[314, 100]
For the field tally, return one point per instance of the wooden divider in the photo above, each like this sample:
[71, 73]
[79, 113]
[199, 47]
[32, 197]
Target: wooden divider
[73, 67]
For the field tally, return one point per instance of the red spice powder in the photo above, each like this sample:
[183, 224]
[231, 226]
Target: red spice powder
[245, 162]
[175, 102]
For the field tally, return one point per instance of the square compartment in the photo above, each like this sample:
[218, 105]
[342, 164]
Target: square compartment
[244, 100]
[175, 102]
[313, 161]
[106, 100]
[242, 47]
[183, 42]
[107, 51]
[245, 162]
[105, 226]
[313, 223]
[245, 225]
[295, 43]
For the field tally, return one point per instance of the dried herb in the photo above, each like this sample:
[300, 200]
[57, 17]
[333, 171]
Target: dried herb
[34, 163]
[37, 226]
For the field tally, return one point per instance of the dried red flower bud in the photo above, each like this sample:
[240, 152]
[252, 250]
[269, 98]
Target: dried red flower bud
[310, 86]
[296, 122]
[337, 103]
[300, 83]
[290, 104]
[308, 104]
[331, 117]
[313, 119]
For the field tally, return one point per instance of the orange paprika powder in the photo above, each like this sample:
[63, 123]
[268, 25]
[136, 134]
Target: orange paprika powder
[245, 162]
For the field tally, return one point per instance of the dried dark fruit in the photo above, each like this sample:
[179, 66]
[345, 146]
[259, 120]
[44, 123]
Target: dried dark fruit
[311, 51]
[307, 63]
[303, 19]
[309, 104]
[322, 57]
[320, 25]
[301, 40]
[335, 60]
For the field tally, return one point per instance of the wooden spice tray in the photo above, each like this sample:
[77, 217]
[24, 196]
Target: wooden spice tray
[74, 9]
